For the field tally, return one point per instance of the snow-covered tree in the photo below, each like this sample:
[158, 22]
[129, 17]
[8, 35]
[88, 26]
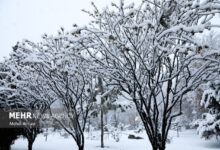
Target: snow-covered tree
[20, 92]
[8, 136]
[192, 110]
[66, 77]
[148, 52]
[12, 99]
[106, 100]
[209, 125]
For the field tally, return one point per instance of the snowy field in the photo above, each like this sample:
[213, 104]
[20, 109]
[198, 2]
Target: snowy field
[188, 140]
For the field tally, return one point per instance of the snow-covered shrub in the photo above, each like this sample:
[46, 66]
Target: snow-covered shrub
[114, 131]
[209, 125]
[115, 134]
[169, 139]
[177, 125]
[140, 128]
[121, 126]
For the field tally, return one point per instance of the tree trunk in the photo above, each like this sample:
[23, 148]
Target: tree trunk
[162, 148]
[158, 148]
[81, 147]
[6, 147]
[30, 144]
[102, 126]
[102, 113]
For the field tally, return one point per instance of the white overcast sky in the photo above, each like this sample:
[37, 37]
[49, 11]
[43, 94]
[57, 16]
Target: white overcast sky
[29, 19]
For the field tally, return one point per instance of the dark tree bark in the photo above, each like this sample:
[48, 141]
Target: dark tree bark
[102, 126]
[8, 136]
[30, 144]
[31, 134]
[81, 147]
[102, 111]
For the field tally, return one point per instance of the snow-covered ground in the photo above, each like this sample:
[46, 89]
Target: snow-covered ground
[188, 140]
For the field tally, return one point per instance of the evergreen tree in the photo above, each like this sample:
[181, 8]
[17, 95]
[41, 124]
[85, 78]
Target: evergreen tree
[209, 125]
